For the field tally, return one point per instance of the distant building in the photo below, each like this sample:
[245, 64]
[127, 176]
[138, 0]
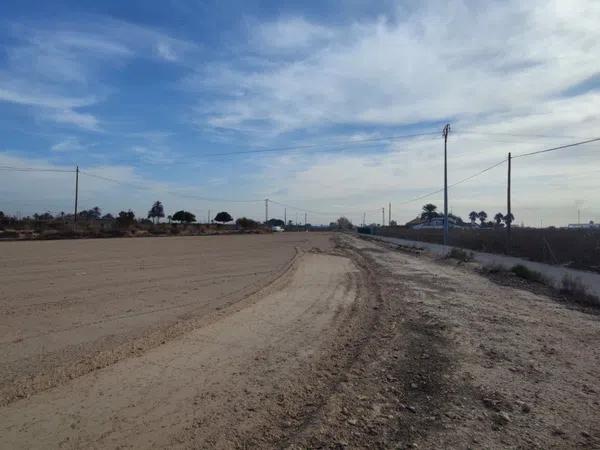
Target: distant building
[436, 222]
[591, 224]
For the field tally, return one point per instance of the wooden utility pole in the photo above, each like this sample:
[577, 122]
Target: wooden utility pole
[76, 194]
[390, 214]
[305, 222]
[364, 219]
[383, 216]
[284, 216]
[208, 217]
[445, 133]
[508, 208]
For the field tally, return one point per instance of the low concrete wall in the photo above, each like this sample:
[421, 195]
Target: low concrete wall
[554, 274]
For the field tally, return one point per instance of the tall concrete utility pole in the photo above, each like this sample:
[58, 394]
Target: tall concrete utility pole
[383, 216]
[445, 133]
[390, 214]
[305, 222]
[508, 209]
[284, 216]
[76, 194]
[364, 219]
[266, 210]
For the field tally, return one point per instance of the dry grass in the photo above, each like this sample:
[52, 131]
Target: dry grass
[460, 255]
[576, 291]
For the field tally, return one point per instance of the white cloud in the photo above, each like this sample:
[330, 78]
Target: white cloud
[294, 34]
[440, 61]
[56, 71]
[166, 52]
[70, 144]
[153, 155]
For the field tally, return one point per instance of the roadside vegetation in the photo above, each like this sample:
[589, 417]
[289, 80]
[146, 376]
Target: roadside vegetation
[527, 274]
[574, 248]
[460, 255]
[570, 290]
[92, 223]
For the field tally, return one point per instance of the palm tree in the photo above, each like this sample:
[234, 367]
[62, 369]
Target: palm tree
[156, 212]
[429, 212]
[95, 212]
[509, 218]
[498, 218]
[473, 216]
[482, 217]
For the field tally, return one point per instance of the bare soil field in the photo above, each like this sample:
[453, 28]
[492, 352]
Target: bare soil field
[341, 343]
[68, 307]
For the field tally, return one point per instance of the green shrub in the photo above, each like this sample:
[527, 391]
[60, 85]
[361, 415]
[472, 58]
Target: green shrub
[493, 268]
[460, 255]
[527, 274]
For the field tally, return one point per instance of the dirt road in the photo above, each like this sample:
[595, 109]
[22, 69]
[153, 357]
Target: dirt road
[357, 346]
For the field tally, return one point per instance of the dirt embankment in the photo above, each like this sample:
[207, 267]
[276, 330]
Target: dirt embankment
[357, 347]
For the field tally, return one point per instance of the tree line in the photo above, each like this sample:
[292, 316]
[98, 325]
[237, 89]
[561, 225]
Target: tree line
[126, 219]
[429, 212]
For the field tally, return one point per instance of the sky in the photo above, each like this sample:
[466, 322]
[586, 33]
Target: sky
[330, 107]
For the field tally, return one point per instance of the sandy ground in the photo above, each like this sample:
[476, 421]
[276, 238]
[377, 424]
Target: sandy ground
[357, 346]
[68, 307]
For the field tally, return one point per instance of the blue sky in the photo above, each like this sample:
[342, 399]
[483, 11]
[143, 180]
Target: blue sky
[149, 92]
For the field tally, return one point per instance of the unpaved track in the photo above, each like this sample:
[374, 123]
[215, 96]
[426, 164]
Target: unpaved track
[68, 307]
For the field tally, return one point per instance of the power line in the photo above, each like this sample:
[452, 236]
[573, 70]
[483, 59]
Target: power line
[321, 213]
[330, 144]
[518, 135]
[557, 148]
[174, 193]
[33, 169]
[470, 177]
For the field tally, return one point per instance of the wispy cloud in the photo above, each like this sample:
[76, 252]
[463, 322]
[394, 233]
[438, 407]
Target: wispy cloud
[476, 61]
[58, 71]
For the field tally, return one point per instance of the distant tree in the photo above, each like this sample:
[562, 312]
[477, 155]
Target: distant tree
[457, 219]
[46, 217]
[95, 212]
[126, 219]
[184, 216]
[108, 216]
[499, 217]
[223, 217]
[247, 224]
[393, 223]
[482, 217]
[508, 219]
[290, 223]
[275, 223]
[169, 218]
[429, 212]
[473, 216]
[156, 212]
[344, 224]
